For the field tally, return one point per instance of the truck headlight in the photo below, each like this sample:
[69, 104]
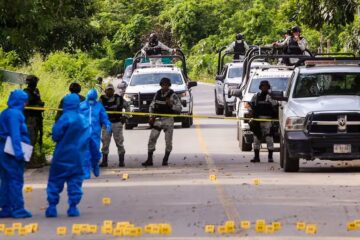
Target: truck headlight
[130, 97]
[294, 124]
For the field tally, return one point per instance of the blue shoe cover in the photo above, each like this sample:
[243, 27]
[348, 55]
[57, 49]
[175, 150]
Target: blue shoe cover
[96, 170]
[5, 213]
[51, 212]
[21, 213]
[73, 211]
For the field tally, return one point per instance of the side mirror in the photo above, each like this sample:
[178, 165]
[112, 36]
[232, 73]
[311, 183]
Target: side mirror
[278, 96]
[235, 93]
[219, 77]
[192, 84]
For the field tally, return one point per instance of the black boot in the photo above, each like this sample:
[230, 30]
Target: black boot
[256, 157]
[104, 162]
[166, 158]
[149, 161]
[270, 156]
[122, 160]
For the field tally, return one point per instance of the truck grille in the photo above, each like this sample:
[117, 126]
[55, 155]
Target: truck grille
[144, 101]
[333, 123]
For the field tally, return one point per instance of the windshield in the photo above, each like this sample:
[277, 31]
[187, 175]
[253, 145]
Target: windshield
[277, 84]
[235, 72]
[322, 84]
[154, 78]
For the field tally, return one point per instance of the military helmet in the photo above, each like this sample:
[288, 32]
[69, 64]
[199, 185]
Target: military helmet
[165, 81]
[295, 29]
[239, 37]
[75, 87]
[32, 79]
[264, 82]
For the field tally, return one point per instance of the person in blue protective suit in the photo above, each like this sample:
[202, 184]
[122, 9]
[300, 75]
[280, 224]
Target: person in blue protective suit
[72, 137]
[97, 117]
[13, 125]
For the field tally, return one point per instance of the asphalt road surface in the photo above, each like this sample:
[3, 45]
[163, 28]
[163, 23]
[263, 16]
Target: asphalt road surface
[322, 193]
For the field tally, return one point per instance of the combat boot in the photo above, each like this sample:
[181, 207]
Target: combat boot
[104, 162]
[122, 160]
[270, 156]
[256, 157]
[149, 161]
[166, 159]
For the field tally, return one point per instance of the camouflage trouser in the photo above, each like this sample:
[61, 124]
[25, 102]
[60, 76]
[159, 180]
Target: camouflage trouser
[265, 130]
[34, 127]
[162, 123]
[117, 132]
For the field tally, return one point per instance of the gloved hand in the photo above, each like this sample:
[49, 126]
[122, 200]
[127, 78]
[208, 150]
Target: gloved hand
[108, 129]
[151, 121]
[96, 170]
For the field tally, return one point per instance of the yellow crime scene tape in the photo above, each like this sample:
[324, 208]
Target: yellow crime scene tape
[163, 115]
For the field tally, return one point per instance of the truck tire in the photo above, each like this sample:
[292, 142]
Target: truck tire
[129, 126]
[290, 164]
[281, 152]
[218, 109]
[186, 122]
[245, 147]
[227, 111]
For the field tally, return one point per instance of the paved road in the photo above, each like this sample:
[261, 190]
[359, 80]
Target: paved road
[323, 193]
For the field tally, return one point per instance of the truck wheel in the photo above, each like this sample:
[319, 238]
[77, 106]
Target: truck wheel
[245, 147]
[186, 122]
[130, 126]
[281, 152]
[218, 109]
[227, 113]
[290, 164]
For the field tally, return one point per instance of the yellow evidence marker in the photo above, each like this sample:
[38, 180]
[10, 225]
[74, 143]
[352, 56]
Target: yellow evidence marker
[245, 225]
[351, 226]
[28, 189]
[221, 229]
[9, 232]
[76, 229]
[16, 226]
[257, 182]
[209, 228]
[106, 201]
[35, 227]
[269, 229]
[22, 232]
[230, 226]
[106, 230]
[93, 229]
[165, 229]
[357, 223]
[277, 226]
[61, 231]
[118, 232]
[122, 224]
[125, 176]
[301, 226]
[108, 223]
[2, 227]
[212, 178]
[311, 229]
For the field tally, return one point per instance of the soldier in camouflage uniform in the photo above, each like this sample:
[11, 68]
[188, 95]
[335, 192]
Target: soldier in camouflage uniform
[165, 101]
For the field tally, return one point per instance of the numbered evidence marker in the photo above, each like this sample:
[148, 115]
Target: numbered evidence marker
[257, 182]
[311, 229]
[245, 225]
[357, 223]
[9, 232]
[17, 226]
[351, 226]
[300, 226]
[152, 229]
[221, 229]
[212, 178]
[61, 231]
[28, 189]
[106, 201]
[165, 229]
[209, 228]
[230, 226]
[260, 226]
[269, 229]
[2, 227]
[22, 232]
[76, 229]
[107, 230]
[125, 176]
[277, 226]
[93, 229]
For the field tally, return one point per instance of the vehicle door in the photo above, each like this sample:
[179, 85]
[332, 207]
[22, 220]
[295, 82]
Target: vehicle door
[220, 86]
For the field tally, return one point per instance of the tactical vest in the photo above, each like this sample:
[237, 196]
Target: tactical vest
[160, 103]
[263, 107]
[293, 47]
[113, 104]
[239, 49]
[153, 49]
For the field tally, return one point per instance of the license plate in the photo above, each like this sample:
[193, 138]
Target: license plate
[342, 148]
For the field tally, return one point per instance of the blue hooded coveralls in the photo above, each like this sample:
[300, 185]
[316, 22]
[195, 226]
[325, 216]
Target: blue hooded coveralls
[12, 123]
[71, 134]
[96, 115]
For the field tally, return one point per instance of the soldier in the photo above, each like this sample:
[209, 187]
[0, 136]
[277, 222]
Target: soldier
[238, 47]
[165, 102]
[73, 88]
[263, 106]
[34, 118]
[154, 48]
[113, 102]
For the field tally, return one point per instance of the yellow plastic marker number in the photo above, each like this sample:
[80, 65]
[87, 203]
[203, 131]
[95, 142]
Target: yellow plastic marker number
[35, 227]
[300, 226]
[76, 229]
[29, 229]
[84, 228]
[311, 229]
[209, 229]
[245, 225]
[93, 229]
[2, 227]
[277, 226]
[230, 227]
[28, 189]
[107, 223]
[260, 228]
[122, 224]
[9, 232]
[118, 232]
[22, 232]
[221, 229]
[261, 222]
[357, 223]
[106, 230]
[155, 229]
[16, 226]
[269, 229]
[125, 176]
[106, 201]
[212, 178]
[139, 231]
[257, 182]
[351, 226]
[165, 229]
[61, 231]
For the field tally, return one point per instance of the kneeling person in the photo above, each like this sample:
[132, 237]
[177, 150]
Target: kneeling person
[166, 101]
[71, 134]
